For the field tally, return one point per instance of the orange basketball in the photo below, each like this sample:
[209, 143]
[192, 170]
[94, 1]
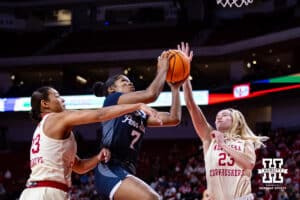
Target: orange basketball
[179, 67]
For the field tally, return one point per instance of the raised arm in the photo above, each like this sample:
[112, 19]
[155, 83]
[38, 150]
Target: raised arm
[73, 118]
[173, 117]
[200, 123]
[152, 92]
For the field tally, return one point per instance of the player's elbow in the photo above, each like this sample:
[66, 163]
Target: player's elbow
[175, 121]
[249, 165]
[78, 170]
[79, 167]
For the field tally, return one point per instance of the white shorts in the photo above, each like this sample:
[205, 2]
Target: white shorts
[44, 193]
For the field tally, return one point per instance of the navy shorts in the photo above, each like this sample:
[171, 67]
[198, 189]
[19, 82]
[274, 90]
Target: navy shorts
[108, 178]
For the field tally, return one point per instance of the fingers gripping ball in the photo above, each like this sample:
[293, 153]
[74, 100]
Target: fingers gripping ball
[179, 67]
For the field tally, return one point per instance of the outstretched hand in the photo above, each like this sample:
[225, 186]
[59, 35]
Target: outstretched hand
[185, 48]
[104, 155]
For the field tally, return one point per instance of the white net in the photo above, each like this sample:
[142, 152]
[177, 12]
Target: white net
[235, 3]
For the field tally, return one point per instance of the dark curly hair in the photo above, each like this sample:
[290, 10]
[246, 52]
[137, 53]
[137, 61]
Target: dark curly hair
[36, 97]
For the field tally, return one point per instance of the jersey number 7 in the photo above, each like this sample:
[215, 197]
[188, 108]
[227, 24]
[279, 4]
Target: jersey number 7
[136, 138]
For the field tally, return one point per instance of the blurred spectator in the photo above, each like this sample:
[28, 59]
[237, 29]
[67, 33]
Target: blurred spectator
[2, 189]
[7, 174]
[282, 195]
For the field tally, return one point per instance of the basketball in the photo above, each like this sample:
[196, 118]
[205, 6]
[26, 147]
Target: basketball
[179, 67]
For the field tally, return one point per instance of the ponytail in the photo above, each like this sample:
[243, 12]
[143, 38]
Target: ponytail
[36, 98]
[101, 89]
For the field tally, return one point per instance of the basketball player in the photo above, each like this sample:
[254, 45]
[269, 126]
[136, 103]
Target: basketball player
[123, 136]
[229, 151]
[53, 149]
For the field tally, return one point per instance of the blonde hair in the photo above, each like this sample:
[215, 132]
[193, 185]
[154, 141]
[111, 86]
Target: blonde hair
[240, 129]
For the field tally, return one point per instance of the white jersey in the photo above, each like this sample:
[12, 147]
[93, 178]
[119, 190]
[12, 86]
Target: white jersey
[51, 159]
[225, 179]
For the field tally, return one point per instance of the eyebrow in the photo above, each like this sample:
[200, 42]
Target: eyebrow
[224, 112]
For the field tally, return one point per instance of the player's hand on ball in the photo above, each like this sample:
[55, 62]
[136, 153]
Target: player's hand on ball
[176, 85]
[163, 61]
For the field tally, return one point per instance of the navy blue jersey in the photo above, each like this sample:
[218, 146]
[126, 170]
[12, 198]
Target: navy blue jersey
[123, 135]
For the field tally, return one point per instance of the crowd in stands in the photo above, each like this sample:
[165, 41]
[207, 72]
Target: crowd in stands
[175, 169]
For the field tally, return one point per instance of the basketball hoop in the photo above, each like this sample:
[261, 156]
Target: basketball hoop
[236, 3]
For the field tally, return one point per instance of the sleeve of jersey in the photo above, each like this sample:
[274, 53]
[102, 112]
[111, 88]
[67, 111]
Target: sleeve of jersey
[112, 99]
